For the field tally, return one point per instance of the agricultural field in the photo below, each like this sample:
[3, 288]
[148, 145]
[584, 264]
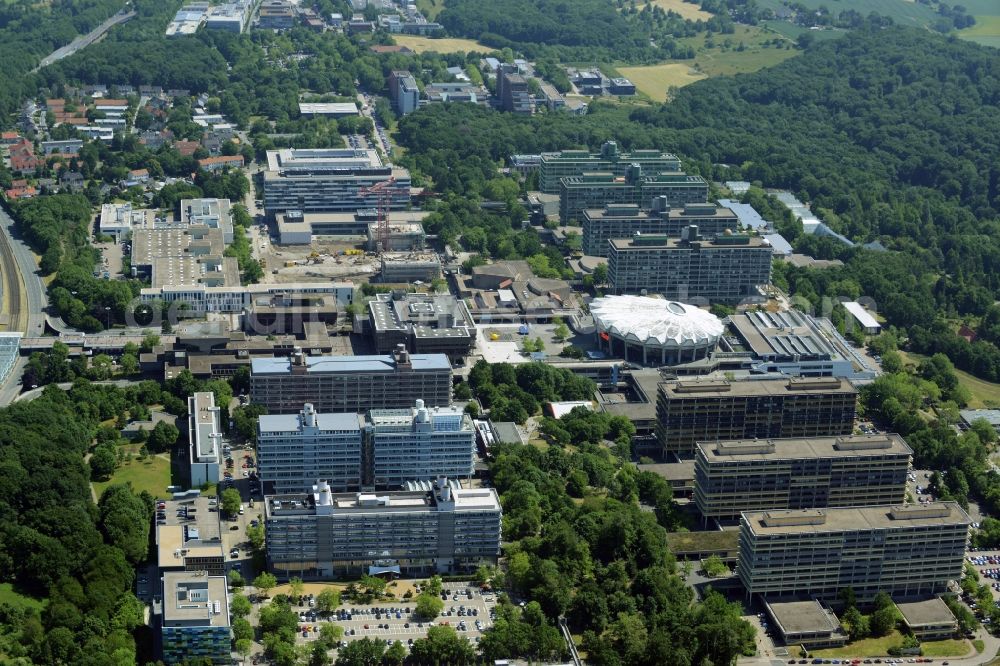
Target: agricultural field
[688, 10]
[443, 45]
[986, 31]
[720, 55]
[654, 80]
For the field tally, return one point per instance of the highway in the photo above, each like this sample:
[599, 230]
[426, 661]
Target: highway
[85, 40]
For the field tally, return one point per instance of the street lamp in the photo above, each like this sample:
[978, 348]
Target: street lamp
[107, 308]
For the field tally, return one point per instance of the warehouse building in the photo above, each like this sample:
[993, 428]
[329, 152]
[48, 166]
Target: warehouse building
[905, 551]
[325, 535]
[626, 220]
[637, 187]
[350, 383]
[555, 166]
[726, 269]
[711, 410]
[330, 179]
[760, 474]
[424, 323]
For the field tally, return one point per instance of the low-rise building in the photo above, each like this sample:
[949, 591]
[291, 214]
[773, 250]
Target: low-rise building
[213, 213]
[195, 620]
[905, 551]
[869, 325]
[424, 323]
[409, 267]
[200, 299]
[328, 109]
[807, 623]
[119, 220]
[760, 474]
[929, 619]
[325, 535]
[220, 162]
[298, 228]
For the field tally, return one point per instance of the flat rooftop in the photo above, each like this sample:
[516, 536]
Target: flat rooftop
[450, 419]
[193, 598]
[787, 334]
[644, 384]
[800, 617]
[328, 108]
[204, 541]
[215, 270]
[848, 446]
[309, 221]
[929, 612]
[177, 241]
[348, 365]
[400, 501]
[714, 541]
[206, 424]
[324, 421]
[308, 159]
[428, 316]
[662, 242]
[818, 521]
[716, 388]
[681, 471]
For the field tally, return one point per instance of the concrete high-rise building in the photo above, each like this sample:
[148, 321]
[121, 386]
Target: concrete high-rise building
[324, 535]
[637, 186]
[904, 551]
[204, 439]
[726, 269]
[760, 474]
[689, 412]
[388, 449]
[318, 180]
[293, 450]
[195, 621]
[419, 444]
[403, 92]
[512, 90]
[555, 166]
[626, 220]
[350, 383]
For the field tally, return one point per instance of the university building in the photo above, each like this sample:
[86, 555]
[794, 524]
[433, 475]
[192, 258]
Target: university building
[803, 473]
[350, 383]
[626, 220]
[195, 621]
[555, 166]
[325, 535]
[726, 269]
[689, 412]
[905, 551]
[637, 186]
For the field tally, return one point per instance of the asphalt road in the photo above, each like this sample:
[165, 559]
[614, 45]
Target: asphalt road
[34, 290]
[84, 40]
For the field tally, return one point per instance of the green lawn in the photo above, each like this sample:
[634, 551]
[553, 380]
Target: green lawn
[984, 394]
[723, 58]
[879, 647]
[9, 596]
[152, 474]
[986, 31]
[904, 12]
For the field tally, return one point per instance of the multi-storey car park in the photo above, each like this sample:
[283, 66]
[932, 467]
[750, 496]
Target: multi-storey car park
[626, 220]
[325, 535]
[350, 383]
[725, 269]
[689, 412]
[554, 166]
[905, 551]
[759, 474]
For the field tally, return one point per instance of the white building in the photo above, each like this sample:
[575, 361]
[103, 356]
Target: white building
[420, 444]
[213, 213]
[205, 439]
[234, 299]
[323, 535]
[295, 449]
[119, 219]
[864, 318]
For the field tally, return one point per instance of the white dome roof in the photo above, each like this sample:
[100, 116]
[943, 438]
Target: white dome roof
[654, 321]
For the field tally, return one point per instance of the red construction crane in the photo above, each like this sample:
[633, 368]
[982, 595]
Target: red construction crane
[383, 192]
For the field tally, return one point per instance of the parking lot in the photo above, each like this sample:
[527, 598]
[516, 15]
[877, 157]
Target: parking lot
[394, 621]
